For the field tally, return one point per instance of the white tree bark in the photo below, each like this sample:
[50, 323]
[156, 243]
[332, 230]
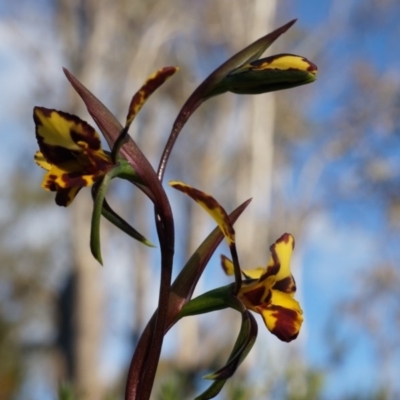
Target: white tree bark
[89, 312]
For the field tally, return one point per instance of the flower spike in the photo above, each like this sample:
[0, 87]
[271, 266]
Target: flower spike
[111, 129]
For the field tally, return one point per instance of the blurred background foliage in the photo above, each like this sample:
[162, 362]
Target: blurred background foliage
[325, 152]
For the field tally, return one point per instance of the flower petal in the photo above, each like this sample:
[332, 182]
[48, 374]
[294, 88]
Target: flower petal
[254, 273]
[279, 264]
[64, 197]
[41, 161]
[153, 82]
[59, 133]
[212, 206]
[253, 294]
[227, 266]
[282, 316]
[64, 178]
[283, 249]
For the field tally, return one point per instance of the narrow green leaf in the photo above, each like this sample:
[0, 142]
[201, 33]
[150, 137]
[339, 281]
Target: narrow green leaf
[101, 207]
[120, 223]
[212, 390]
[214, 300]
[243, 344]
[98, 192]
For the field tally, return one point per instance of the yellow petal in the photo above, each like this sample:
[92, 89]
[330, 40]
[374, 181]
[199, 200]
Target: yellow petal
[63, 178]
[227, 266]
[54, 128]
[282, 315]
[284, 62]
[212, 206]
[62, 130]
[153, 82]
[254, 273]
[254, 294]
[41, 161]
[281, 253]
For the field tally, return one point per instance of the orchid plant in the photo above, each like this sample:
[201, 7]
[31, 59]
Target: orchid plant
[70, 151]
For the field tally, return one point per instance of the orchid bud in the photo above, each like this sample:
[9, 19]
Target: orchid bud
[282, 71]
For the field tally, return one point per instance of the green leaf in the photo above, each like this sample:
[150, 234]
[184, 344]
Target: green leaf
[120, 223]
[101, 207]
[214, 300]
[245, 341]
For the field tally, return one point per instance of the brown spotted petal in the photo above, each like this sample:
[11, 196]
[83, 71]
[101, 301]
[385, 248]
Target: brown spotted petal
[64, 197]
[253, 293]
[270, 291]
[60, 135]
[212, 206]
[70, 152]
[279, 264]
[282, 316]
[153, 82]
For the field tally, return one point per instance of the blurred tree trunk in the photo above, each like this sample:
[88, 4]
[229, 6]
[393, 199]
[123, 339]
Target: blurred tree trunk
[89, 309]
[254, 176]
[243, 24]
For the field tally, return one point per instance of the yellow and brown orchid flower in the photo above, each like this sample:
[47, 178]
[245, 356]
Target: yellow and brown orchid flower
[270, 291]
[267, 291]
[70, 149]
[70, 152]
